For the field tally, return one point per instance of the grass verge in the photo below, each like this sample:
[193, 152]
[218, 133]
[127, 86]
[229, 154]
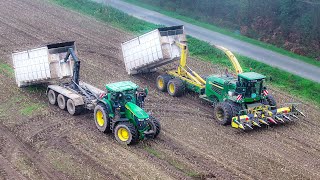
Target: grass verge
[295, 85]
[225, 31]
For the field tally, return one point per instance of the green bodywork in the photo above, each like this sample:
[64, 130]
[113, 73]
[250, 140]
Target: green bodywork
[221, 88]
[125, 104]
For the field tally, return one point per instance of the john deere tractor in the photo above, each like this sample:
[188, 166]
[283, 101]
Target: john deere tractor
[120, 111]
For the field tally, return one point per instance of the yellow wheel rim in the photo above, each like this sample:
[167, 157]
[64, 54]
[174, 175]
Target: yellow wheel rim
[100, 119]
[171, 88]
[220, 114]
[160, 83]
[123, 134]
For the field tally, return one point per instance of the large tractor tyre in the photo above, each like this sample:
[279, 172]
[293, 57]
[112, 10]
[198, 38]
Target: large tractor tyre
[162, 82]
[62, 103]
[176, 87]
[101, 118]
[223, 113]
[271, 102]
[126, 133]
[155, 126]
[236, 108]
[52, 97]
[72, 108]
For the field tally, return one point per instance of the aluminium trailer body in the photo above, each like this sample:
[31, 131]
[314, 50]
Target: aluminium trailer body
[55, 66]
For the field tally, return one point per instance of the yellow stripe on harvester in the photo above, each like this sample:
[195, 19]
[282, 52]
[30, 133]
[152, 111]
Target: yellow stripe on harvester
[216, 85]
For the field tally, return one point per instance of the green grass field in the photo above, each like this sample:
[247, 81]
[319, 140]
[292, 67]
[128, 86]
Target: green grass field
[294, 85]
[226, 32]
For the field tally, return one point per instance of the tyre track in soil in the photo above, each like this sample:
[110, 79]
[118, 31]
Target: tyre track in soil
[45, 168]
[224, 133]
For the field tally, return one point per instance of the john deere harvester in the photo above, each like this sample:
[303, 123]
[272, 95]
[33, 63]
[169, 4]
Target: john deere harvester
[119, 110]
[239, 99]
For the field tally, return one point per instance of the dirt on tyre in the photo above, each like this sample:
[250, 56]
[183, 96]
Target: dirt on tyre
[162, 82]
[72, 108]
[270, 101]
[176, 87]
[155, 126]
[52, 97]
[101, 118]
[223, 113]
[126, 133]
[62, 103]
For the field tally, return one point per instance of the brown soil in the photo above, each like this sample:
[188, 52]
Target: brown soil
[47, 143]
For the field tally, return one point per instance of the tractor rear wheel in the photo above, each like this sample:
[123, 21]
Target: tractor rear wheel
[155, 126]
[61, 101]
[101, 118]
[270, 101]
[176, 87]
[126, 133]
[52, 97]
[223, 113]
[162, 82]
[72, 108]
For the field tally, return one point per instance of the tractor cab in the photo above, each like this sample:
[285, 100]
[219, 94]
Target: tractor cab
[122, 92]
[125, 96]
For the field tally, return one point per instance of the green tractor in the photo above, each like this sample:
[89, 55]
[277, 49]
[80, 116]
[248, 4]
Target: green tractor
[120, 111]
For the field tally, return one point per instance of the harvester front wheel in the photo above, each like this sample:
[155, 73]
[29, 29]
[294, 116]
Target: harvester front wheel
[61, 101]
[155, 126]
[223, 113]
[126, 133]
[176, 87]
[101, 118]
[52, 97]
[162, 82]
[271, 101]
[72, 108]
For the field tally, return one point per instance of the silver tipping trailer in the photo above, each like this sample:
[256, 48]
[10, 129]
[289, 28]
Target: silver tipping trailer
[153, 49]
[54, 64]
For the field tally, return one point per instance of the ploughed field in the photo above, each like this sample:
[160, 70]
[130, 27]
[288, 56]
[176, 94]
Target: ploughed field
[39, 141]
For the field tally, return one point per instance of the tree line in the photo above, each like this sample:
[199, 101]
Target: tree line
[291, 24]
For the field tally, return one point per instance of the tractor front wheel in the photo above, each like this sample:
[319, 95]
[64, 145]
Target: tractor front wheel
[126, 133]
[101, 118]
[223, 113]
[155, 126]
[176, 87]
[162, 82]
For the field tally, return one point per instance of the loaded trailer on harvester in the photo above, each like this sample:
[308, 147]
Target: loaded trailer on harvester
[241, 100]
[118, 110]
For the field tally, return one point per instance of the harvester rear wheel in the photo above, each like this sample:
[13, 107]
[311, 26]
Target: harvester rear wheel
[270, 101]
[61, 101]
[126, 133]
[176, 87]
[52, 97]
[223, 113]
[101, 118]
[162, 82]
[72, 108]
[156, 127]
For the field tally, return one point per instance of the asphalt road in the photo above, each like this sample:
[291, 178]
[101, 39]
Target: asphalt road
[260, 54]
